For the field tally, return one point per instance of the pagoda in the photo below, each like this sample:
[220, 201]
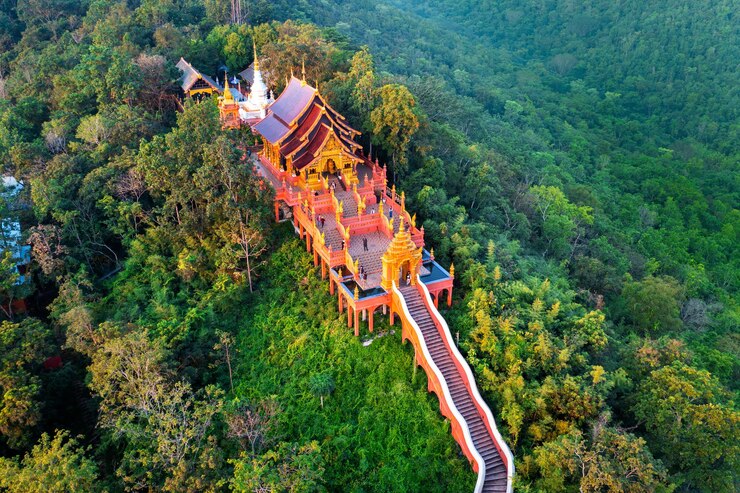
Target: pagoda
[254, 108]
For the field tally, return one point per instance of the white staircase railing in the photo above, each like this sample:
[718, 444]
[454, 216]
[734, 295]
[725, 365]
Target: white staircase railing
[445, 390]
[473, 388]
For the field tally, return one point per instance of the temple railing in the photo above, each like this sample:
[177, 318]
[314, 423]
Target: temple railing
[366, 223]
[335, 202]
[281, 175]
[321, 203]
[437, 383]
[344, 231]
[335, 257]
[359, 200]
[469, 380]
[367, 191]
[351, 265]
[379, 175]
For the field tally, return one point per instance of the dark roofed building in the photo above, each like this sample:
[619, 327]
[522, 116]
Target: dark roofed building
[193, 83]
[307, 136]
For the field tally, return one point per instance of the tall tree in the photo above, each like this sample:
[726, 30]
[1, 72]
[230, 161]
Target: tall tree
[395, 122]
[166, 426]
[23, 348]
[693, 424]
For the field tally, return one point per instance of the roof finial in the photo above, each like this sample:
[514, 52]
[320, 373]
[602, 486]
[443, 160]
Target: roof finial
[303, 71]
[256, 62]
[227, 92]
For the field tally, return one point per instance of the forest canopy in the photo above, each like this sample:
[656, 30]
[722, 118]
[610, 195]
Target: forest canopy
[579, 164]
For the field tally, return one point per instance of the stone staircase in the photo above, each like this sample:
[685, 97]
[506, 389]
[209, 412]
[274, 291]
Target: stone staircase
[348, 201]
[496, 474]
[331, 233]
[371, 261]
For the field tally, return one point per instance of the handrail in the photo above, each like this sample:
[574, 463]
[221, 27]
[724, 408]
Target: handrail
[473, 387]
[445, 391]
[350, 264]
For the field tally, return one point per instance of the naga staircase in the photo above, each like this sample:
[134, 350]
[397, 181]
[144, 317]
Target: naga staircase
[450, 378]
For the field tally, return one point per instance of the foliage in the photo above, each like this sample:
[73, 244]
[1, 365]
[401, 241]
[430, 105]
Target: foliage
[576, 162]
[23, 346]
[611, 460]
[54, 465]
[290, 468]
[394, 121]
[692, 424]
[166, 426]
[653, 304]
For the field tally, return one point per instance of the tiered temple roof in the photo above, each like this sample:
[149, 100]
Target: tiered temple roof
[190, 75]
[301, 122]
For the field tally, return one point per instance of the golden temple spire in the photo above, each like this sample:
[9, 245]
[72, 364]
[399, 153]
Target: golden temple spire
[303, 72]
[227, 92]
[256, 62]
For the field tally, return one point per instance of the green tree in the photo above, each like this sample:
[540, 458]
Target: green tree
[693, 424]
[54, 465]
[322, 384]
[23, 347]
[562, 224]
[294, 45]
[168, 428]
[653, 304]
[610, 460]
[395, 122]
[362, 74]
[290, 467]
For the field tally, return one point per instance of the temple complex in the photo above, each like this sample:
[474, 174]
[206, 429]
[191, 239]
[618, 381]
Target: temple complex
[368, 245]
[371, 250]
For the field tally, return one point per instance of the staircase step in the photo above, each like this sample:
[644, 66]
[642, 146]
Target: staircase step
[496, 480]
[495, 488]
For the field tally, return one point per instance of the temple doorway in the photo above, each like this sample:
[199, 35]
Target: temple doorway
[331, 166]
[404, 271]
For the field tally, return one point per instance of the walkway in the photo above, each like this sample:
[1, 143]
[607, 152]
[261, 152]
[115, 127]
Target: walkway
[495, 479]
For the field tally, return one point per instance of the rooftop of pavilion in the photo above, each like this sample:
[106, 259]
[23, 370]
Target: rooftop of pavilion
[301, 122]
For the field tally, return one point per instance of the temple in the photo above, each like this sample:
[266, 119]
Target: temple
[194, 84]
[366, 242]
[371, 250]
[237, 106]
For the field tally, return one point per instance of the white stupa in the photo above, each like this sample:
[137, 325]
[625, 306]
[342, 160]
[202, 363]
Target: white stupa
[255, 107]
